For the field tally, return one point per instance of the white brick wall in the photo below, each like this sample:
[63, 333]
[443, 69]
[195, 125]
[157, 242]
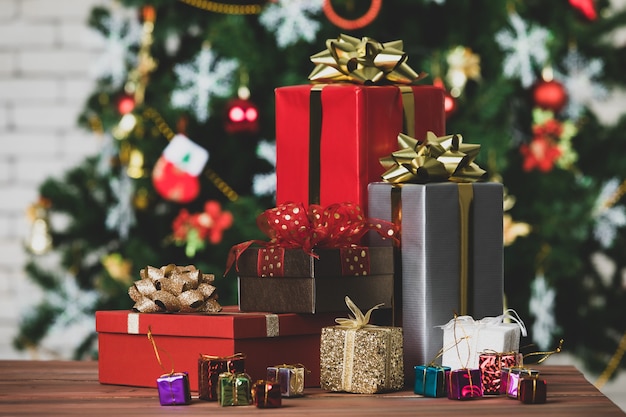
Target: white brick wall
[46, 49]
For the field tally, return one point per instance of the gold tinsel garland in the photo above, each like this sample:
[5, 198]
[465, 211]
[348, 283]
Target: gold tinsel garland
[225, 8]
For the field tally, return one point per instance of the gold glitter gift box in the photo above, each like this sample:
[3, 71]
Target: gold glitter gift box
[359, 357]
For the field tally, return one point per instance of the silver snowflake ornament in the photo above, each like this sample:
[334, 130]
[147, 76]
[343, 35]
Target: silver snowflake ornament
[124, 32]
[525, 48]
[541, 305]
[292, 20]
[198, 81]
[608, 217]
[580, 81]
[121, 216]
[265, 183]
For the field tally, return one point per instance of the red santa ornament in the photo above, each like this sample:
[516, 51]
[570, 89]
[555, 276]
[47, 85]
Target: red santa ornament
[175, 175]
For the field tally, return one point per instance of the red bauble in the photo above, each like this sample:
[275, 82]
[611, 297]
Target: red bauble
[126, 104]
[242, 116]
[586, 7]
[449, 102]
[550, 95]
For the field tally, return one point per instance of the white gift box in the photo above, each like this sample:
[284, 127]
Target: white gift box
[464, 338]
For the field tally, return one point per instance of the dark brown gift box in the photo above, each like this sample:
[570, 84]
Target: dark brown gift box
[310, 285]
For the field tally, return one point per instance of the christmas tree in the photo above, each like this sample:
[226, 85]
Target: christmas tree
[185, 109]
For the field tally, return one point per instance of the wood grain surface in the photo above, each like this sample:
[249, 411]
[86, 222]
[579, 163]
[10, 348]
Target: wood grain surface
[45, 388]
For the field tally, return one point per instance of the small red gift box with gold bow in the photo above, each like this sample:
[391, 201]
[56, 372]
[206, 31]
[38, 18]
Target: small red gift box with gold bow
[266, 394]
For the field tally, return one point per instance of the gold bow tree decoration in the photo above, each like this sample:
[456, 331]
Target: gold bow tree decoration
[363, 61]
[435, 159]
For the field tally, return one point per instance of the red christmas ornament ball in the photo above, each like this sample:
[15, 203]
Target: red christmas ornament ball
[126, 104]
[242, 116]
[550, 95]
[449, 102]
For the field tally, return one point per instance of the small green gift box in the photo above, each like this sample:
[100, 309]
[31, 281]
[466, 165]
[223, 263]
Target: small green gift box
[234, 389]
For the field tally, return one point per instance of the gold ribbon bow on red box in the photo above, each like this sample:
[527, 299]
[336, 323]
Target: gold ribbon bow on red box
[363, 61]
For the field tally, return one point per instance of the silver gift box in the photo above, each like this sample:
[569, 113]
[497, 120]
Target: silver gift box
[428, 293]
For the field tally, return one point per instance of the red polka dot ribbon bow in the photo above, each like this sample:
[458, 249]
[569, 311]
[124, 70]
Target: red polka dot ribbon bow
[291, 225]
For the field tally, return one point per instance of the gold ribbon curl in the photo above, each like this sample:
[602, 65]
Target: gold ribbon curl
[174, 288]
[435, 159]
[359, 321]
[363, 61]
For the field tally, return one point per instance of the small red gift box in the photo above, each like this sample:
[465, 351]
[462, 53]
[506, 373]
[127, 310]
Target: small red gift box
[532, 390]
[491, 365]
[266, 394]
[209, 370]
[329, 139]
[126, 356]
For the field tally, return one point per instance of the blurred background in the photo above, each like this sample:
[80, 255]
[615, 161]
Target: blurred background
[92, 93]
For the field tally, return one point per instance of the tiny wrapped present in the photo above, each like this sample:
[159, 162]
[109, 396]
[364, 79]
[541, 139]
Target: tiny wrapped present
[513, 378]
[464, 384]
[330, 136]
[474, 336]
[174, 389]
[211, 367]
[312, 260]
[491, 365]
[532, 390]
[266, 394]
[430, 380]
[173, 289]
[361, 358]
[234, 389]
[290, 378]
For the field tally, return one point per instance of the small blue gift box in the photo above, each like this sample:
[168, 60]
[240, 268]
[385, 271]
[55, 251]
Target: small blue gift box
[174, 389]
[430, 380]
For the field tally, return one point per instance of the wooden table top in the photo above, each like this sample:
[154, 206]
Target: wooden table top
[44, 388]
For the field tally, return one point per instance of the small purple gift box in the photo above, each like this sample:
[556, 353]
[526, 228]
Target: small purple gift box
[464, 384]
[174, 389]
[290, 378]
[512, 376]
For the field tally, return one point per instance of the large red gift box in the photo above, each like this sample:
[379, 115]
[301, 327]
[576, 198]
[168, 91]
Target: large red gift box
[329, 139]
[126, 355]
